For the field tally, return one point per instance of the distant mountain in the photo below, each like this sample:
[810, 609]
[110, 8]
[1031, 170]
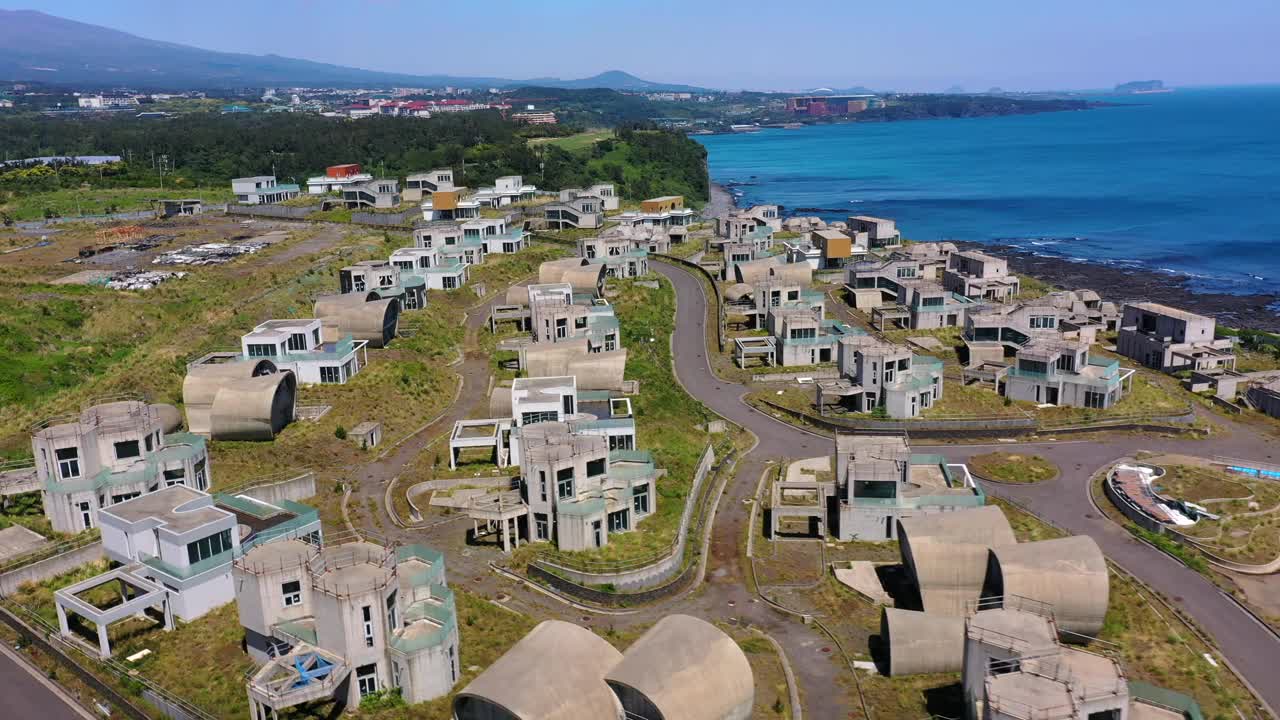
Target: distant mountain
[40, 47]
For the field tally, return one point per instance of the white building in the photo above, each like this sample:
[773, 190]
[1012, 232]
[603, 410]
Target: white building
[506, 190]
[605, 192]
[420, 186]
[450, 204]
[497, 234]
[427, 263]
[298, 345]
[262, 190]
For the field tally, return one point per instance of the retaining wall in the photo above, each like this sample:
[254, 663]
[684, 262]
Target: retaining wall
[640, 578]
[296, 489]
[50, 567]
[403, 220]
[826, 374]
[283, 212]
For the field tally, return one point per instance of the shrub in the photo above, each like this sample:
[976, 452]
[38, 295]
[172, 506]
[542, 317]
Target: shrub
[340, 433]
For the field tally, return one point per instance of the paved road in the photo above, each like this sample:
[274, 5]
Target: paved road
[1251, 648]
[25, 696]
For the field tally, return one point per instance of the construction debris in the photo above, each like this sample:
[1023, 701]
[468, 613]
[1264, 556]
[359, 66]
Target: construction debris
[140, 279]
[208, 253]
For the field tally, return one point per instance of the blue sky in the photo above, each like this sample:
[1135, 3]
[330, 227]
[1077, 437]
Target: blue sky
[885, 44]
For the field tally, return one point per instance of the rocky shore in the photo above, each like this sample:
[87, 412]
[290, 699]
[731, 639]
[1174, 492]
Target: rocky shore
[1118, 284]
[1121, 284]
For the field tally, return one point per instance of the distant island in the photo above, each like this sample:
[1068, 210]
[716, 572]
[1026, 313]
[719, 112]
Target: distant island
[1142, 87]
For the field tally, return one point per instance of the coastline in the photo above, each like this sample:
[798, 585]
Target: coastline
[1113, 283]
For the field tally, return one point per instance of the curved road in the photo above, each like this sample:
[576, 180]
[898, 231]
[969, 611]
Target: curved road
[1251, 648]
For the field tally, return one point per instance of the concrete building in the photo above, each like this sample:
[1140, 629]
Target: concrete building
[1265, 397]
[621, 256]
[559, 312]
[496, 234]
[878, 374]
[901, 290]
[878, 482]
[506, 190]
[426, 263]
[229, 398]
[881, 233]
[382, 280]
[980, 276]
[420, 186]
[739, 223]
[379, 194]
[605, 192]
[993, 332]
[1086, 307]
[665, 211]
[336, 178]
[682, 667]
[343, 621]
[1173, 340]
[797, 337]
[262, 190]
[836, 249]
[452, 204]
[298, 345]
[1063, 373]
[585, 212]
[111, 452]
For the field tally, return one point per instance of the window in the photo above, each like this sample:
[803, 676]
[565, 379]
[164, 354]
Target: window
[202, 482]
[68, 463]
[1095, 400]
[357, 283]
[330, 374]
[315, 336]
[621, 442]
[367, 614]
[542, 484]
[906, 272]
[567, 404]
[889, 374]
[640, 500]
[297, 341]
[367, 678]
[1043, 322]
[562, 328]
[392, 618]
[174, 477]
[261, 350]
[564, 483]
[580, 323]
[292, 592]
[149, 442]
[453, 663]
[793, 295]
[530, 418]
[384, 280]
[541, 528]
[86, 517]
[206, 548]
[619, 521]
[595, 467]
[126, 449]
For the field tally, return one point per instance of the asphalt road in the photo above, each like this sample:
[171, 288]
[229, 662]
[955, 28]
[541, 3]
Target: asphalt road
[25, 696]
[1251, 648]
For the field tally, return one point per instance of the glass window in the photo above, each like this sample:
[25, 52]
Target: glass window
[367, 614]
[541, 528]
[564, 483]
[68, 463]
[126, 449]
[392, 618]
[640, 499]
[149, 442]
[595, 467]
[206, 548]
[297, 341]
[173, 477]
[292, 592]
[330, 374]
[261, 350]
[619, 521]
[367, 678]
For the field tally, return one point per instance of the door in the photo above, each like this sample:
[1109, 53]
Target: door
[596, 533]
[1051, 395]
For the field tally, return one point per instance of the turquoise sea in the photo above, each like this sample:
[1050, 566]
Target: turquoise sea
[1184, 182]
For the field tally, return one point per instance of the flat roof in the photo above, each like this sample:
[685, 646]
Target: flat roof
[165, 505]
[1166, 310]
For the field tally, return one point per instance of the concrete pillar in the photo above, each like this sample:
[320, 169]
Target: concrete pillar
[506, 543]
[62, 620]
[104, 643]
[168, 613]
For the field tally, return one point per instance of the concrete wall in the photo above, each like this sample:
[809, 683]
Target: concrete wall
[296, 489]
[655, 573]
[50, 567]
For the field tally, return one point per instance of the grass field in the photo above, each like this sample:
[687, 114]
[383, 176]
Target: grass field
[575, 142]
[1012, 467]
[98, 201]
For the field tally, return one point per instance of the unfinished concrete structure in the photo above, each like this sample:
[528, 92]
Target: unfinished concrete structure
[385, 280]
[1086, 307]
[506, 190]
[113, 450]
[798, 338]
[593, 370]
[437, 271]
[1172, 340]
[875, 373]
[1265, 397]
[1063, 373]
[946, 556]
[363, 317]
[681, 668]
[451, 204]
[563, 311]
[379, 193]
[665, 211]
[902, 289]
[980, 276]
[621, 256]
[581, 212]
[229, 398]
[605, 192]
[419, 186]
[345, 620]
[738, 224]
[881, 233]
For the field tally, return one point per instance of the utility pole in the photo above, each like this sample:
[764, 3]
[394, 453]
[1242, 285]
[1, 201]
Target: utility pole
[164, 163]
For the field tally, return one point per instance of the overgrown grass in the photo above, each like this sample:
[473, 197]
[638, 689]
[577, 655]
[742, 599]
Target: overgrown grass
[575, 142]
[1013, 467]
[68, 203]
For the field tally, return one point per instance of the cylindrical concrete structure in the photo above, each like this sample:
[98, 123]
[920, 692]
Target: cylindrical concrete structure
[372, 320]
[1069, 575]
[918, 642]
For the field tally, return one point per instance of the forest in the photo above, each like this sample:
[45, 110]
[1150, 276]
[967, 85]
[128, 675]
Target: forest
[204, 149]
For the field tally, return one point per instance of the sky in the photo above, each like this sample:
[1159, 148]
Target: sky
[905, 45]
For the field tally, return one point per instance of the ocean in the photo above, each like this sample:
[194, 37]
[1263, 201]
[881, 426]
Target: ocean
[1186, 182]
